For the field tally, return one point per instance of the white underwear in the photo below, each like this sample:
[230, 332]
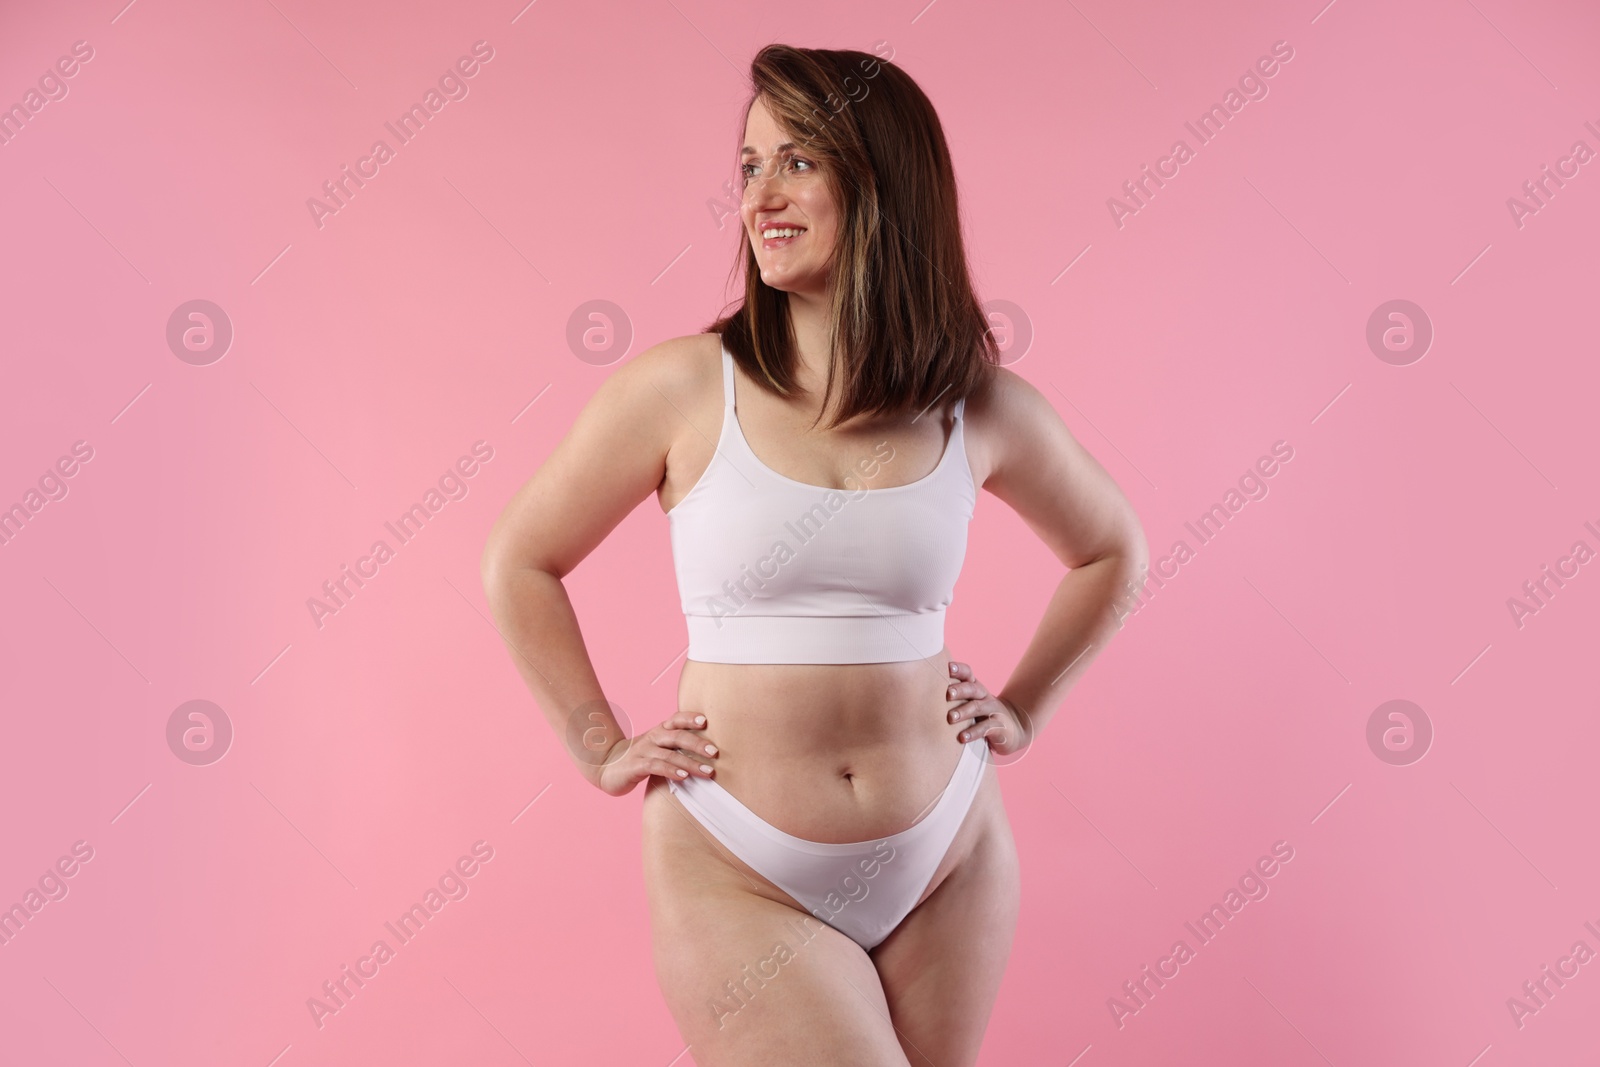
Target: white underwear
[863, 889]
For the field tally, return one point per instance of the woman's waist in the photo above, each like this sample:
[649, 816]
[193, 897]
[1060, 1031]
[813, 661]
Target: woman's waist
[821, 710]
[872, 794]
[834, 752]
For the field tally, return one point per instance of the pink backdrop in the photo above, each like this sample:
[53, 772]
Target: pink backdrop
[369, 749]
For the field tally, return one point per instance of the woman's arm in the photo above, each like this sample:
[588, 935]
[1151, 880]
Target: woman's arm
[612, 458]
[1068, 499]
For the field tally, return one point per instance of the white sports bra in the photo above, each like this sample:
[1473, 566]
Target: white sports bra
[771, 570]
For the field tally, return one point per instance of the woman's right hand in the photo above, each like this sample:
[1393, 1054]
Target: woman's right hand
[673, 750]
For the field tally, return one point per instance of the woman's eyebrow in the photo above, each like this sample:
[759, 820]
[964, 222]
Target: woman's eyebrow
[784, 147]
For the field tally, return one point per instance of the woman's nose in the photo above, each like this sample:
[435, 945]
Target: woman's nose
[762, 190]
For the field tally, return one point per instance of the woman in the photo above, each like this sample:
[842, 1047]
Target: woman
[831, 874]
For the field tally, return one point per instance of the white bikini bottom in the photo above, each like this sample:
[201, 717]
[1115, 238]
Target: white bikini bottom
[860, 888]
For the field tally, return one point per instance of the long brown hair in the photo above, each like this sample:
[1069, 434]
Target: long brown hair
[907, 327]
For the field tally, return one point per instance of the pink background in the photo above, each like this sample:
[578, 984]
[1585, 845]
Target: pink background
[1227, 314]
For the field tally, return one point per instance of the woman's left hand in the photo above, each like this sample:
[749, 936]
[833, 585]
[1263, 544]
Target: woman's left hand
[999, 722]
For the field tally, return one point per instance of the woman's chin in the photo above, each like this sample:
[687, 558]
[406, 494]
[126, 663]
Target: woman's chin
[788, 283]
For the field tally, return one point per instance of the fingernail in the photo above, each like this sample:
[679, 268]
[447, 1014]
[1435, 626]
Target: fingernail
[700, 720]
[952, 666]
[711, 750]
[682, 773]
[706, 767]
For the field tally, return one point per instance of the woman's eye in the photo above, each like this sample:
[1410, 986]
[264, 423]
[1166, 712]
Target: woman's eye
[751, 171]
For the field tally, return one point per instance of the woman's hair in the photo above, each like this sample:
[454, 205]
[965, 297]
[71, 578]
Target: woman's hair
[907, 326]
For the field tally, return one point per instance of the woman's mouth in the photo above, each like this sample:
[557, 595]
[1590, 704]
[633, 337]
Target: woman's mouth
[780, 236]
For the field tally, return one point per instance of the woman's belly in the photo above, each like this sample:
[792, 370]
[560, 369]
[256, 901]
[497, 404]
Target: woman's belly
[828, 752]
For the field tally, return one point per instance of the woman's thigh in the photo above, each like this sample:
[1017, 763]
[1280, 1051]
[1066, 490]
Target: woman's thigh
[941, 967]
[748, 978]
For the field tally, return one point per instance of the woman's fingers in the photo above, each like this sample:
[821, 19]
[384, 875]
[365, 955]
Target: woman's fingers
[656, 752]
[674, 764]
[672, 750]
[966, 714]
[667, 762]
[960, 674]
[665, 736]
[979, 728]
[689, 741]
[1004, 729]
[999, 726]
[964, 686]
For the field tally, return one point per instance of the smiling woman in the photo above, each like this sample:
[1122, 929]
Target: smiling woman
[825, 795]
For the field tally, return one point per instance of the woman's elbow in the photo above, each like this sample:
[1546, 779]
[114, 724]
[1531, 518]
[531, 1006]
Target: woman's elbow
[496, 566]
[1131, 552]
[1138, 550]
[504, 564]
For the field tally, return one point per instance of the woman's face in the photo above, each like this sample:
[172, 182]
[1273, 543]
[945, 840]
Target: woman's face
[784, 188]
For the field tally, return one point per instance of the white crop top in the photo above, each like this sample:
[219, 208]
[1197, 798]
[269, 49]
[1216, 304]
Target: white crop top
[771, 570]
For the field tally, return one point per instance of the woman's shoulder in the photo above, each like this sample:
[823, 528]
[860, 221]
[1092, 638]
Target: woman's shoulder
[678, 377]
[678, 362]
[1006, 415]
[1002, 395]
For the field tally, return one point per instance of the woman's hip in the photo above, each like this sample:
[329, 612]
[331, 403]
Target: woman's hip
[848, 784]
[698, 834]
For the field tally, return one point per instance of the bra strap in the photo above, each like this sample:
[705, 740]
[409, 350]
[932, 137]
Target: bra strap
[961, 406]
[727, 378]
